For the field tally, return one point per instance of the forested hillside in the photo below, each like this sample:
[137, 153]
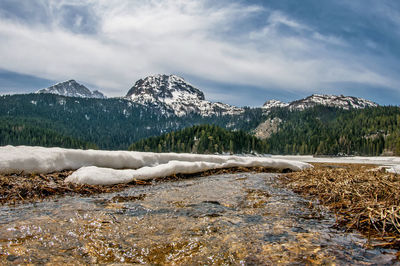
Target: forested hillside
[328, 130]
[319, 130]
[108, 123]
[35, 132]
[53, 120]
[202, 139]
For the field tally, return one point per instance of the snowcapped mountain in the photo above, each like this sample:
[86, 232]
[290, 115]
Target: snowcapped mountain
[345, 102]
[172, 94]
[71, 88]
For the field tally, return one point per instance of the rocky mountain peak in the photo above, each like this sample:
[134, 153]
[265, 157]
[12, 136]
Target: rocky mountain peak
[71, 88]
[163, 87]
[172, 94]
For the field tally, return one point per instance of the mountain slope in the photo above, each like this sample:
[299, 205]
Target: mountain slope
[318, 130]
[329, 130]
[71, 88]
[344, 102]
[172, 94]
[112, 123]
[36, 132]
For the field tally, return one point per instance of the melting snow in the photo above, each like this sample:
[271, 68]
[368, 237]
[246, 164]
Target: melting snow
[379, 160]
[390, 163]
[395, 169]
[99, 167]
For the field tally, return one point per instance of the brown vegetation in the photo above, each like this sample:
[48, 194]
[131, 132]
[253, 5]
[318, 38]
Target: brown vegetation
[361, 196]
[35, 187]
[18, 188]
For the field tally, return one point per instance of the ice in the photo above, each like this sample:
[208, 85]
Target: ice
[105, 167]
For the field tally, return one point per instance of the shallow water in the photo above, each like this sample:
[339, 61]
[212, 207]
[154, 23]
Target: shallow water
[225, 219]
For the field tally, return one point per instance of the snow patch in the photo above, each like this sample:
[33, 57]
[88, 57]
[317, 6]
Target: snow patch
[274, 103]
[394, 169]
[382, 160]
[99, 167]
[105, 176]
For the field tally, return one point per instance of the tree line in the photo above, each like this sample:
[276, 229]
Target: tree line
[334, 131]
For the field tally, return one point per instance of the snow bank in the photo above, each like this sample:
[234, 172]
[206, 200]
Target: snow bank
[105, 176]
[47, 160]
[98, 167]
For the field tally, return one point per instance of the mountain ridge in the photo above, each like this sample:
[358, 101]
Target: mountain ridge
[329, 100]
[173, 95]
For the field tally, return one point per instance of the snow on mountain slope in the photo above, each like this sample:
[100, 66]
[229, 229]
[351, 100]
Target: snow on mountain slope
[274, 103]
[71, 88]
[345, 102]
[173, 94]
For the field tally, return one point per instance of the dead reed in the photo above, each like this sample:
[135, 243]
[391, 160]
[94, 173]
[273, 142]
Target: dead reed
[20, 188]
[362, 197]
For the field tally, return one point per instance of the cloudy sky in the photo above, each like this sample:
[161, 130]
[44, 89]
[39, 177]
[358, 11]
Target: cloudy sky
[241, 52]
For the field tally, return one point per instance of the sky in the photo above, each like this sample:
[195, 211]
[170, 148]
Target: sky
[241, 52]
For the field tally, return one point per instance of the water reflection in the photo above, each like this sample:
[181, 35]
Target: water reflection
[225, 219]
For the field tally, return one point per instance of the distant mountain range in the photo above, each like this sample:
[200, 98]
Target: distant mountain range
[70, 115]
[172, 95]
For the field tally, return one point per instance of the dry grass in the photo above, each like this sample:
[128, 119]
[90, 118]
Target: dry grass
[362, 198]
[20, 188]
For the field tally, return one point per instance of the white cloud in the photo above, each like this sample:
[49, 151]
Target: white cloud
[276, 18]
[138, 38]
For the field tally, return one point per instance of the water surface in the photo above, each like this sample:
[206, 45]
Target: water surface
[225, 219]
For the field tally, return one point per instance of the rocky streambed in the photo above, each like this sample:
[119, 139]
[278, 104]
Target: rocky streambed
[240, 218]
